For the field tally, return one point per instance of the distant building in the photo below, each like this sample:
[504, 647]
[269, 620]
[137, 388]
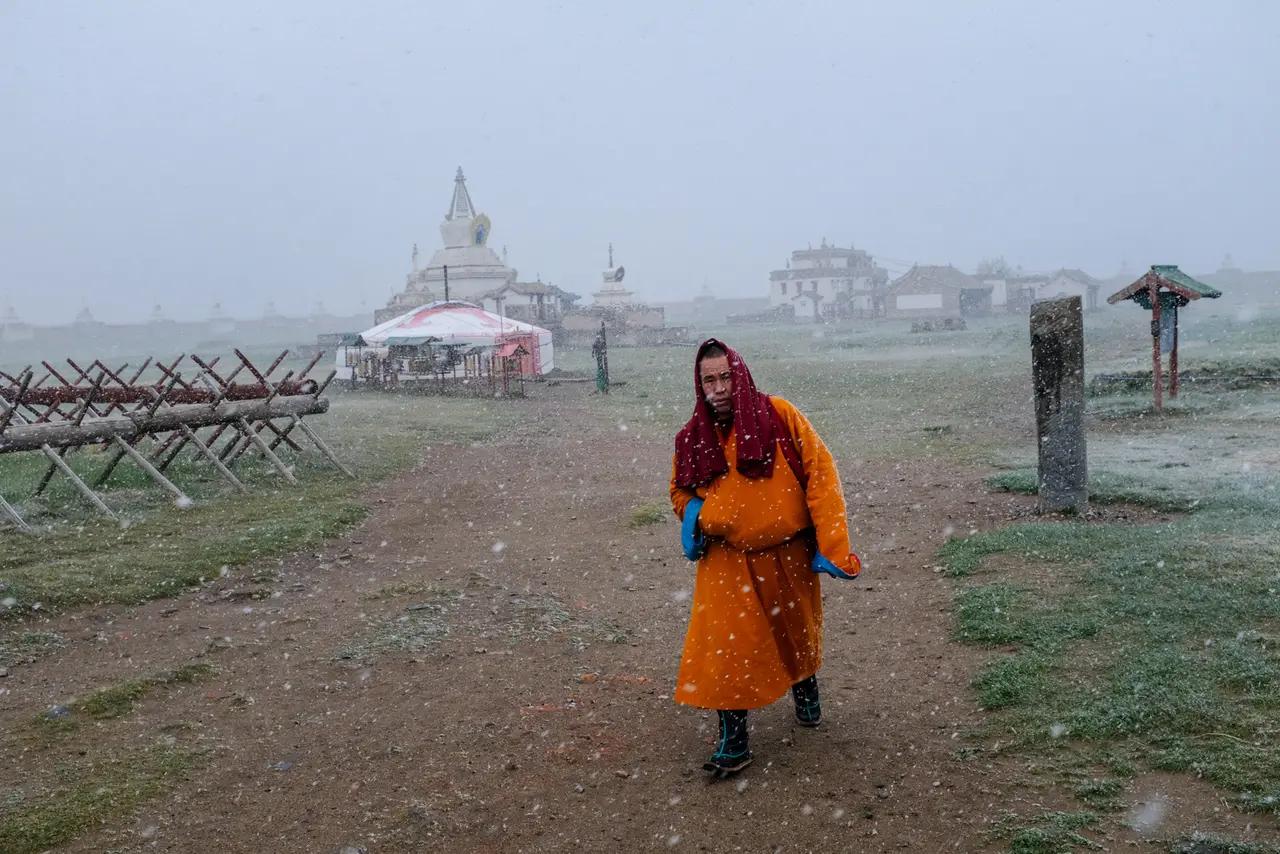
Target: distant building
[828, 283]
[271, 315]
[1022, 291]
[533, 302]
[628, 325]
[707, 309]
[84, 318]
[1255, 288]
[932, 292]
[1017, 293]
[13, 328]
[627, 322]
[1071, 283]
[219, 324]
[999, 291]
[473, 268]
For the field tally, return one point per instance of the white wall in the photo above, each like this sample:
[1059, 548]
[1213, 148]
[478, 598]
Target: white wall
[999, 291]
[918, 302]
[804, 308]
[830, 282]
[1062, 286]
[778, 293]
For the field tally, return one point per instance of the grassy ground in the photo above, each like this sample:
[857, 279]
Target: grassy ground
[1122, 649]
[118, 700]
[87, 793]
[1150, 646]
[79, 557]
[1115, 649]
[873, 393]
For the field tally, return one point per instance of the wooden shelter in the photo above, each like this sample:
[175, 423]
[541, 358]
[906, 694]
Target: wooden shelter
[1163, 290]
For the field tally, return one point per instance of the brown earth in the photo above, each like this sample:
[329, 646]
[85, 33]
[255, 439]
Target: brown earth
[536, 715]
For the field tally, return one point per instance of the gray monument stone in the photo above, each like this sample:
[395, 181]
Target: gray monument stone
[1057, 369]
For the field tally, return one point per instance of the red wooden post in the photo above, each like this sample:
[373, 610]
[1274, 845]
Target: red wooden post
[1156, 378]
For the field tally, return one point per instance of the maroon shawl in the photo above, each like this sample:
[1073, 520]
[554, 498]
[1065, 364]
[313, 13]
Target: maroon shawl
[699, 455]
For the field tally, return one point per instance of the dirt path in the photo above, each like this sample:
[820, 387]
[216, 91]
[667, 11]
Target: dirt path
[536, 715]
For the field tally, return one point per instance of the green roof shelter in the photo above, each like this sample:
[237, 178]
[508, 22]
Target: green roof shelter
[1162, 291]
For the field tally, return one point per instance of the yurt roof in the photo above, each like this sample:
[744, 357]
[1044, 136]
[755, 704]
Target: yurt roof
[453, 322]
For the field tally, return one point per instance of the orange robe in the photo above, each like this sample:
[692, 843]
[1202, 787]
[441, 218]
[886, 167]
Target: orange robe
[755, 627]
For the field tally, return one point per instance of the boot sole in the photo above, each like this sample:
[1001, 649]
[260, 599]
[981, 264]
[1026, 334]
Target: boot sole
[809, 724]
[720, 772]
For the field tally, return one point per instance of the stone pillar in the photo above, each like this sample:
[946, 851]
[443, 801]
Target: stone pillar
[1057, 369]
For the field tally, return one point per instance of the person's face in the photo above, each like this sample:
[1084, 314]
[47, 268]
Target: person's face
[717, 383]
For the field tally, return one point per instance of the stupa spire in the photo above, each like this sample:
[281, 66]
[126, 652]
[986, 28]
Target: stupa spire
[460, 207]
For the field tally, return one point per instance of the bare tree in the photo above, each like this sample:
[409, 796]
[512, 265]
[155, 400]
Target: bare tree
[994, 268]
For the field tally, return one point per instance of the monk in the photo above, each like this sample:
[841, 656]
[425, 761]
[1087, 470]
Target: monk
[763, 514]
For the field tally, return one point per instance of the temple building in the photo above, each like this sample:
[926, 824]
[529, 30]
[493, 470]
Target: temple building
[827, 283]
[542, 304]
[474, 269]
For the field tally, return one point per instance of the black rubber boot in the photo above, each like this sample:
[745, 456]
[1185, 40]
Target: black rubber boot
[808, 705]
[732, 753]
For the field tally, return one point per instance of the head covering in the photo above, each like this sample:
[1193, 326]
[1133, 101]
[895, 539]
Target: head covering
[699, 455]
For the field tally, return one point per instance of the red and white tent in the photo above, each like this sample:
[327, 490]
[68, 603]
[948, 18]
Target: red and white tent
[458, 322]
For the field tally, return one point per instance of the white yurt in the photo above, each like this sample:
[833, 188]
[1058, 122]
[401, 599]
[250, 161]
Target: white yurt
[460, 323]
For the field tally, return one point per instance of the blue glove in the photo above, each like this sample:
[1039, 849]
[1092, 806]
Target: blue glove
[693, 541]
[821, 564]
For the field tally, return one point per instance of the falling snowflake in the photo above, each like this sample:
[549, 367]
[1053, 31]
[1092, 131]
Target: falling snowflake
[1146, 817]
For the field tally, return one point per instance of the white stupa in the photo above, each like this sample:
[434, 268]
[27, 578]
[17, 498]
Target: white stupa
[13, 328]
[613, 294]
[474, 268]
[219, 322]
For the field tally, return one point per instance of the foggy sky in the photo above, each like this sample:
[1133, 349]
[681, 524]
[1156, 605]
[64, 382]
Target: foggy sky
[187, 153]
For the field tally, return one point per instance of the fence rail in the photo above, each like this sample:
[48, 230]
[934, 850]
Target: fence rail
[150, 422]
